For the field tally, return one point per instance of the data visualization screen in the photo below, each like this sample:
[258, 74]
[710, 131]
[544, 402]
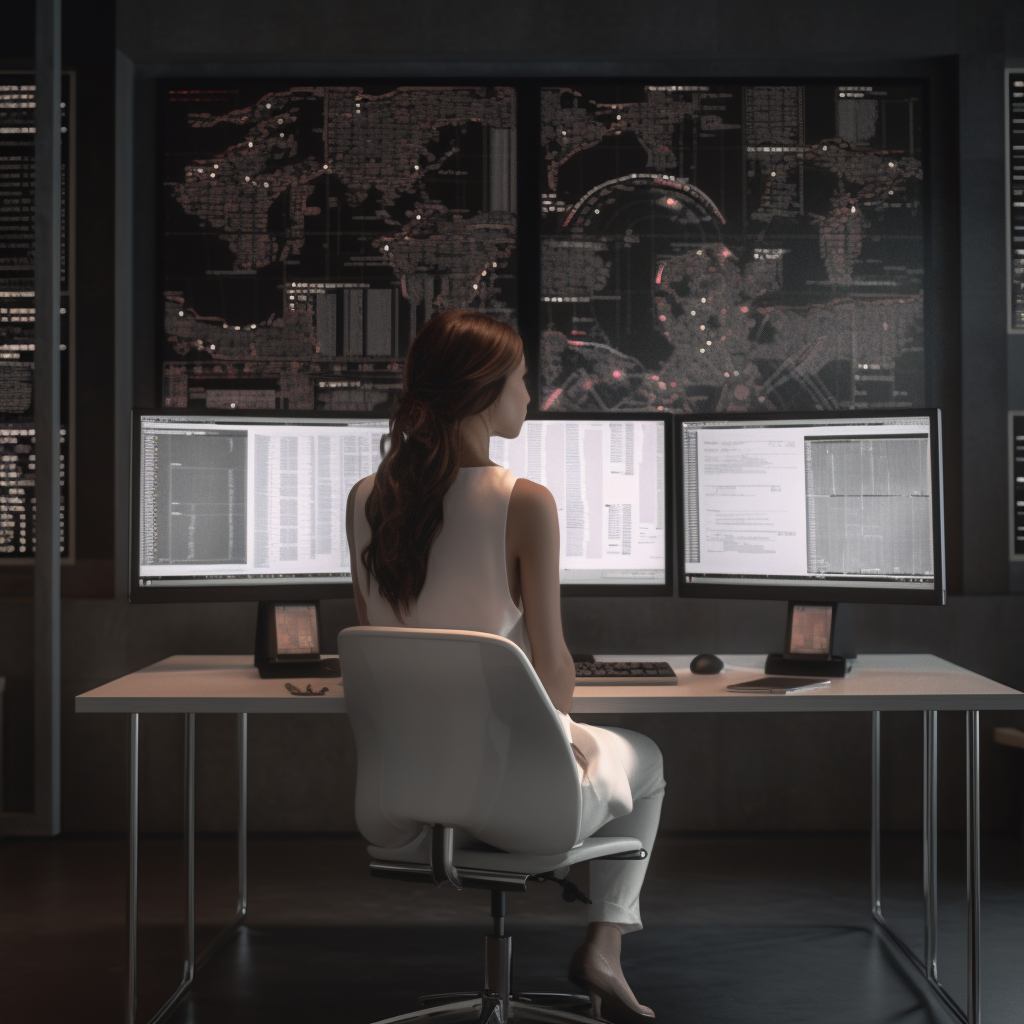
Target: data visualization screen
[310, 229]
[234, 501]
[608, 481]
[18, 315]
[732, 245]
[843, 503]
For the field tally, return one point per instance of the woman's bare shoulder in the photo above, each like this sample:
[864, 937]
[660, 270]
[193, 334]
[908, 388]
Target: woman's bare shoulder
[352, 494]
[531, 505]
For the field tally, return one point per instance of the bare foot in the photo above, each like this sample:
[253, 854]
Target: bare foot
[595, 967]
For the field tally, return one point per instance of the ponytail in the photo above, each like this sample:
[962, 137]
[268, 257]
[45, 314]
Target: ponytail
[456, 367]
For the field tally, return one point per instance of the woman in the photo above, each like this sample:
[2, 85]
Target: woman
[443, 538]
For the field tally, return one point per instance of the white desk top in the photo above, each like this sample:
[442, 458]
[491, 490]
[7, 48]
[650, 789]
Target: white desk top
[228, 683]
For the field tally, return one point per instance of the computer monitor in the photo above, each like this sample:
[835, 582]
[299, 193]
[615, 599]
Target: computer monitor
[245, 506]
[608, 476]
[814, 507]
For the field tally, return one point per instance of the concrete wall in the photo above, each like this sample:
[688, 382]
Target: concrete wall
[730, 772]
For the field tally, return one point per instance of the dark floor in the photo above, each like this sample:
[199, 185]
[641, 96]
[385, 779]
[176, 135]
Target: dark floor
[738, 929]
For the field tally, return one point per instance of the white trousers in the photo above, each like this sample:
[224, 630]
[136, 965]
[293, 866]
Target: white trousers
[609, 811]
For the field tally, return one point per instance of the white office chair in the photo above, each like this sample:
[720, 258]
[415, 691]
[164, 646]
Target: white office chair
[454, 731]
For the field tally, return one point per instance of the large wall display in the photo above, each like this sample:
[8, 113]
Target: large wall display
[309, 231]
[702, 246]
[732, 246]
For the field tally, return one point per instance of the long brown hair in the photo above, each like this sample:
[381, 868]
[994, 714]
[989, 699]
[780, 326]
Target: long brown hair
[457, 366]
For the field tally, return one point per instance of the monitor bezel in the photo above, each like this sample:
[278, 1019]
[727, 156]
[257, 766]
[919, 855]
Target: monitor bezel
[820, 592]
[631, 589]
[137, 594]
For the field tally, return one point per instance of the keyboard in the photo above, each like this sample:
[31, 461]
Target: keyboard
[625, 673]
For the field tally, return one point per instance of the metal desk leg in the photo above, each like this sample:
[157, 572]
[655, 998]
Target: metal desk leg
[928, 966]
[929, 837]
[242, 905]
[243, 818]
[973, 870]
[131, 1005]
[876, 815]
[188, 971]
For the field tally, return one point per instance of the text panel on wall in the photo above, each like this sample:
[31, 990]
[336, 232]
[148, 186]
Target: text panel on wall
[17, 315]
[1015, 200]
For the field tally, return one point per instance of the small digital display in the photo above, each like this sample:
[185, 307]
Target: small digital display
[811, 629]
[295, 628]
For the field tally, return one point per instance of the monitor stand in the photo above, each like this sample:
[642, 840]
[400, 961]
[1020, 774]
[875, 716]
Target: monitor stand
[841, 653]
[288, 642]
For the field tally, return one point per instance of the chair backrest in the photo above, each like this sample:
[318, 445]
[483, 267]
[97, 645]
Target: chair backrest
[455, 728]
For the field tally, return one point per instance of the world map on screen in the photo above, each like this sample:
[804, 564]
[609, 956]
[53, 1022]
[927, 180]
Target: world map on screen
[309, 231]
[731, 247]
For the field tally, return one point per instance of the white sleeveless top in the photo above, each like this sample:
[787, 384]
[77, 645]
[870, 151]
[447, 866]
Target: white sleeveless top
[467, 588]
[467, 577]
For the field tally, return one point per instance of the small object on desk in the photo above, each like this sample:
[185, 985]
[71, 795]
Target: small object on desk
[307, 692]
[625, 673]
[288, 641]
[706, 664]
[321, 668]
[779, 684]
[819, 641]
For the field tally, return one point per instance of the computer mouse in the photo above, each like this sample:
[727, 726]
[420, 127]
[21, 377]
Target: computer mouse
[706, 664]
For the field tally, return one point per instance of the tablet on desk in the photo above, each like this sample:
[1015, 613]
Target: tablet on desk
[779, 684]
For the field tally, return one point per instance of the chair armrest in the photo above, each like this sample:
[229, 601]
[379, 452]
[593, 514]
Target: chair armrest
[442, 856]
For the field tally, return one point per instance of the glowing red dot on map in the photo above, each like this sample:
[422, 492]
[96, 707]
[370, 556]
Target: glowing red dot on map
[616, 374]
[662, 318]
[654, 376]
[744, 309]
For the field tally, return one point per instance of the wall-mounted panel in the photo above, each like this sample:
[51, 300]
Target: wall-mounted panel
[1015, 200]
[17, 316]
[310, 230]
[732, 245]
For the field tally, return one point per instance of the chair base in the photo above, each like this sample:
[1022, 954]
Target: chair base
[487, 1009]
[571, 1002]
[498, 1003]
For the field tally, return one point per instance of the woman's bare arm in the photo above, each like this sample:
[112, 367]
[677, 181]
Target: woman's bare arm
[532, 538]
[350, 530]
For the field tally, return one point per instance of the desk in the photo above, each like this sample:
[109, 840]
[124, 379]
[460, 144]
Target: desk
[229, 684]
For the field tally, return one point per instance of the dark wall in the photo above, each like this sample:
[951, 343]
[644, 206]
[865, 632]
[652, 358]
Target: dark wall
[778, 771]
[88, 42]
[961, 46]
